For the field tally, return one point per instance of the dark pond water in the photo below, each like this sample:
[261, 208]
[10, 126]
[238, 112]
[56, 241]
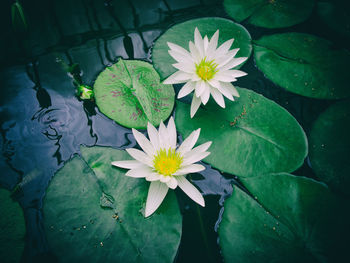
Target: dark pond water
[43, 122]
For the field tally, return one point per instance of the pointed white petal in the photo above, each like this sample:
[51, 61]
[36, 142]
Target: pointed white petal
[230, 88]
[186, 89]
[217, 97]
[140, 156]
[178, 49]
[196, 102]
[145, 144]
[156, 194]
[199, 149]
[194, 158]
[205, 44]
[153, 136]
[163, 136]
[179, 57]
[225, 58]
[195, 52]
[141, 172]
[172, 133]
[222, 88]
[213, 43]
[192, 168]
[232, 63]
[153, 177]
[205, 96]
[198, 41]
[164, 178]
[130, 164]
[229, 75]
[177, 77]
[189, 142]
[188, 68]
[190, 190]
[224, 48]
[200, 88]
[172, 183]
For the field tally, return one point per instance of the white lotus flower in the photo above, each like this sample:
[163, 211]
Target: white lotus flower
[164, 165]
[206, 70]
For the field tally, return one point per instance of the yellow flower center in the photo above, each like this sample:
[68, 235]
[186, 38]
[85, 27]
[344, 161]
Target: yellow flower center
[206, 69]
[167, 162]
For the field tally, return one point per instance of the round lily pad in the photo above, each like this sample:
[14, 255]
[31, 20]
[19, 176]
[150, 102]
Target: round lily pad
[270, 13]
[304, 64]
[251, 135]
[12, 229]
[130, 93]
[182, 34]
[287, 219]
[94, 213]
[330, 147]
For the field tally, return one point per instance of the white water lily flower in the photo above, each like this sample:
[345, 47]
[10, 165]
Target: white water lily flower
[206, 69]
[164, 165]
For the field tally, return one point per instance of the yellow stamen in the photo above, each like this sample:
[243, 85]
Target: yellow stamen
[167, 162]
[206, 69]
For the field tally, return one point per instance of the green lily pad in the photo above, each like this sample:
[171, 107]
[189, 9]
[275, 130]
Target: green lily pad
[251, 135]
[12, 229]
[94, 213]
[130, 93]
[336, 15]
[270, 13]
[330, 146]
[288, 219]
[304, 64]
[182, 34]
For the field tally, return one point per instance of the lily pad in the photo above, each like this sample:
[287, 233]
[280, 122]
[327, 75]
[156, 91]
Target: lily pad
[270, 13]
[12, 229]
[251, 135]
[336, 15]
[94, 213]
[330, 147]
[182, 34]
[304, 64]
[130, 93]
[288, 219]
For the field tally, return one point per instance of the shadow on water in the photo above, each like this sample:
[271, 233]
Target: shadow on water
[43, 122]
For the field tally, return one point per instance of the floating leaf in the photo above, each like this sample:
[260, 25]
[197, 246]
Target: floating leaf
[304, 64]
[251, 135]
[330, 146]
[270, 13]
[336, 15]
[130, 93]
[94, 213]
[12, 229]
[290, 219]
[182, 34]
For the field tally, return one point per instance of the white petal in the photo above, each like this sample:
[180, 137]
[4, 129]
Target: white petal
[178, 48]
[163, 136]
[177, 77]
[164, 178]
[179, 57]
[195, 52]
[172, 183]
[192, 168]
[232, 63]
[200, 88]
[153, 177]
[189, 142]
[190, 190]
[230, 88]
[156, 194]
[194, 158]
[198, 41]
[217, 97]
[229, 75]
[141, 172]
[205, 96]
[205, 43]
[145, 144]
[172, 133]
[140, 156]
[225, 58]
[213, 43]
[186, 89]
[199, 149]
[196, 102]
[153, 136]
[188, 68]
[224, 48]
[222, 88]
[130, 164]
